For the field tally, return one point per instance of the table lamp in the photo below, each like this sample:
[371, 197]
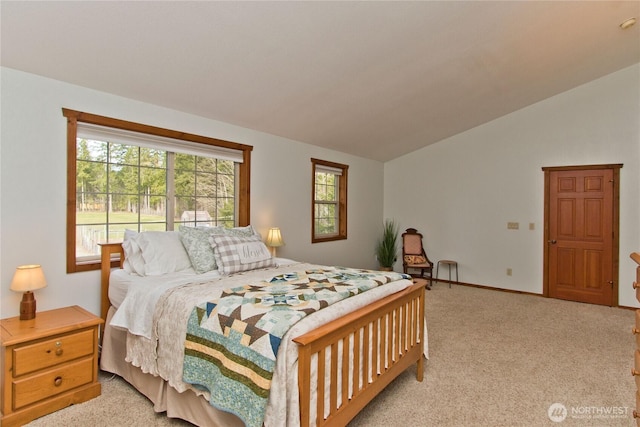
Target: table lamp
[28, 278]
[274, 240]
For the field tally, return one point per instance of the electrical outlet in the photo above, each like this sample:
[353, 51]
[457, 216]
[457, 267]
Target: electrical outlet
[513, 225]
[509, 272]
[532, 226]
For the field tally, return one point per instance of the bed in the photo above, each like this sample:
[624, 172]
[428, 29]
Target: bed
[381, 329]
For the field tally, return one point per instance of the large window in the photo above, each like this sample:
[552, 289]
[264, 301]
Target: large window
[124, 175]
[329, 201]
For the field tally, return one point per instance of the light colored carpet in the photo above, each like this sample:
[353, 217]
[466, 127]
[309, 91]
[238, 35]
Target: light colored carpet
[496, 359]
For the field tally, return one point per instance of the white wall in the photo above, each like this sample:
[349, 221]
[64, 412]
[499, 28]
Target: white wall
[33, 186]
[462, 191]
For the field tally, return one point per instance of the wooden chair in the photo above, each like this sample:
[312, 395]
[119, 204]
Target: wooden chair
[414, 256]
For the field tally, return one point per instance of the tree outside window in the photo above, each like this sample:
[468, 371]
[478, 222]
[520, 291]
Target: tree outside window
[160, 180]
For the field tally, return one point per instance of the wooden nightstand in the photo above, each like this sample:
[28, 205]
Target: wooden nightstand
[49, 363]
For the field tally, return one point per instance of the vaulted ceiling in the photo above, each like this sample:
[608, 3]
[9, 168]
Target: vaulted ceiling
[373, 79]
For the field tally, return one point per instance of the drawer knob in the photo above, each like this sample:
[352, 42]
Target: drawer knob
[636, 285]
[57, 382]
[59, 351]
[635, 414]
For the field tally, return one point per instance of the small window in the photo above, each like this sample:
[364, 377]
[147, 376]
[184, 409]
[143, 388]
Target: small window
[329, 200]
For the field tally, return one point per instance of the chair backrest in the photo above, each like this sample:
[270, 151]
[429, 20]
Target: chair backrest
[412, 242]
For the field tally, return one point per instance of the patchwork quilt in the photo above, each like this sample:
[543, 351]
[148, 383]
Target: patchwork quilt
[232, 341]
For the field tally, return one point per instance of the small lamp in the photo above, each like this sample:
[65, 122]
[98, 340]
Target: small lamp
[28, 278]
[274, 240]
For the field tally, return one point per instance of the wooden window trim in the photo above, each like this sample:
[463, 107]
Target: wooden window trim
[73, 117]
[342, 201]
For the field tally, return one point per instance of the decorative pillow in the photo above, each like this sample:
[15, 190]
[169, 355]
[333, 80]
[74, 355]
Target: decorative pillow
[133, 261]
[414, 259]
[247, 231]
[196, 243]
[163, 252]
[234, 254]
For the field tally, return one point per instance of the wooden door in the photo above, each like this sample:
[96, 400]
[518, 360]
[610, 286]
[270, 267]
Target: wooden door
[581, 229]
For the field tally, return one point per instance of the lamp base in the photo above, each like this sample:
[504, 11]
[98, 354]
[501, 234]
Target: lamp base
[28, 306]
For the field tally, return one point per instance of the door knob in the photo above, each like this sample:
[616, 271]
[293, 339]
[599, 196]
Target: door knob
[553, 242]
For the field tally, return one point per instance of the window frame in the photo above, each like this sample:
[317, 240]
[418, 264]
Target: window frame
[342, 201]
[73, 117]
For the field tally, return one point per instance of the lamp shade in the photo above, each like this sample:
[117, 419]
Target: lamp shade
[28, 278]
[274, 238]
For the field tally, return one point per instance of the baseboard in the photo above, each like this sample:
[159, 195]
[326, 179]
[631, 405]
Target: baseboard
[493, 288]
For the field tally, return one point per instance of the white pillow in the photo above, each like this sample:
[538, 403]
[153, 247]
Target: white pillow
[234, 254]
[133, 261]
[163, 252]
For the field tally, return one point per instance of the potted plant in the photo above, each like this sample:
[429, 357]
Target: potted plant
[387, 245]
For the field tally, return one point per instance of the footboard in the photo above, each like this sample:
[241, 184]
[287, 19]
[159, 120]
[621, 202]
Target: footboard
[380, 342]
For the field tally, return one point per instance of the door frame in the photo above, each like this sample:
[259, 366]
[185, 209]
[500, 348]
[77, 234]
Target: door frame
[615, 249]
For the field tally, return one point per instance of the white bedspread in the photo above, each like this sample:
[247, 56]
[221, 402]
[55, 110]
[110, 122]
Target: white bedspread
[135, 313]
[157, 347]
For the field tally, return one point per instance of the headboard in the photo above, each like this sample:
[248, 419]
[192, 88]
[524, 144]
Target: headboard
[107, 252]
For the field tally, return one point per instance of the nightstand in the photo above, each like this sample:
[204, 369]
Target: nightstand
[49, 363]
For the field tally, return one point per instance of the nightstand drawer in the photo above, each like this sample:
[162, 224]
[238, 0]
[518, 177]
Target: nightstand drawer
[636, 329]
[30, 358]
[635, 370]
[50, 383]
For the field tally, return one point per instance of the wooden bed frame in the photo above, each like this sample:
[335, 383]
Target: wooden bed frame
[392, 329]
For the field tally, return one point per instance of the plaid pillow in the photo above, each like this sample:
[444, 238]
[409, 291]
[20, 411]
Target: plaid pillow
[234, 254]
